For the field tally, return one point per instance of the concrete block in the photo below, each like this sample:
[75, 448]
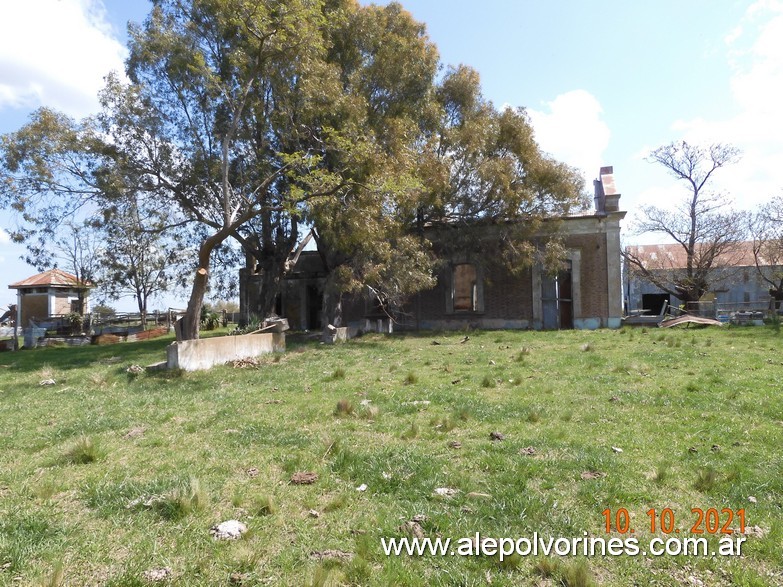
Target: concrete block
[333, 334]
[194, 355]
[276, 324]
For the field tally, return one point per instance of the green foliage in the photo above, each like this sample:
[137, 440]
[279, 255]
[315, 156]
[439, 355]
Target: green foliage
[209, 320]
[706, 479]
[74, 321]
[774, 323]
[250, 120]
[103, 310]
[83, 451]
[343, 408]
[182, 500]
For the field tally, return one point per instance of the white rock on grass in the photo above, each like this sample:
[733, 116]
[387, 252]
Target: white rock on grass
[228, 530]
[445, 491]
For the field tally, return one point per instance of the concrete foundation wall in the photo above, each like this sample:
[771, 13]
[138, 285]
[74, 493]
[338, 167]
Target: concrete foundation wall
[194, 355]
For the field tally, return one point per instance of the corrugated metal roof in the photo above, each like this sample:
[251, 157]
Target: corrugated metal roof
[51, 278]
[673, 256]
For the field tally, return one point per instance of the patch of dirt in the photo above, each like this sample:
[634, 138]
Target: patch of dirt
[527, 451]
[755, 531]
[157, 575]
[252, 472]
[413, 527]
[134, 433]
[455, 444]
[304, 478]
[587, 475]
[330, 554]
[246, 363]
[497, 436]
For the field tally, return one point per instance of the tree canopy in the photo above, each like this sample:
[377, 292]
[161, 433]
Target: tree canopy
[258, 121]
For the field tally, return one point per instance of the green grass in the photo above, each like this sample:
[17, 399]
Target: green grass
[105, 476]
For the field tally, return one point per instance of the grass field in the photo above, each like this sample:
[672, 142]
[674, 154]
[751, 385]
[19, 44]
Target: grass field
[107, 475]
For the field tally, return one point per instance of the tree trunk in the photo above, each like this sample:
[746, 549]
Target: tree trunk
[777, 298]
[142, 303]
[191, 321]
[332, 308]
[270, 287]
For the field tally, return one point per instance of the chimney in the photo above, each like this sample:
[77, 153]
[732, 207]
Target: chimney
[599, 199]
[606, 197]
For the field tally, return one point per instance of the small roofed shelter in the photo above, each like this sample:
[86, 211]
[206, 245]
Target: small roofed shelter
[51, 293]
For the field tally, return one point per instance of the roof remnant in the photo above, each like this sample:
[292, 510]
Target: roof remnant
[51, 278]
[688, 319]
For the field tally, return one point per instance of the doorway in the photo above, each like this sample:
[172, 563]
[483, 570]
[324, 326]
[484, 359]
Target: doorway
[313, 305]
[557, 300]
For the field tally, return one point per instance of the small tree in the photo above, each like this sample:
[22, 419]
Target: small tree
[703, 224]
[137, 259]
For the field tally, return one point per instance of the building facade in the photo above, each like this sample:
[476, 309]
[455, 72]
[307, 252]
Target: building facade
[736, 284]
[473, 291]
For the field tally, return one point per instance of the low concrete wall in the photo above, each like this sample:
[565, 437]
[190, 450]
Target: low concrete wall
[193, 355]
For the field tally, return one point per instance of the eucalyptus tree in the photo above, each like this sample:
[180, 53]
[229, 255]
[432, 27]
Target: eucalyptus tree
[222, 93]
[489, 188]
[387, 67]
[255, 120]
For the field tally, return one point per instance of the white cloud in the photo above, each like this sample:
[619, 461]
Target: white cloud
[56, 53]
[4, 237]
[756, 60]
[571, 129]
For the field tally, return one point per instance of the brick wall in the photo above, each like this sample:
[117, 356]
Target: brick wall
[595, 300]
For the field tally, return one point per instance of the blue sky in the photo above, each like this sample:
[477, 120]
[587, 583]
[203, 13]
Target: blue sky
[603, 82]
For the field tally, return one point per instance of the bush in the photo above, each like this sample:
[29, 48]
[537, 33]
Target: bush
[75, 322]
[209, 318]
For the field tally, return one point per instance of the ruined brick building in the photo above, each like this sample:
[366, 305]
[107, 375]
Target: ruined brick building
[474, 292]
